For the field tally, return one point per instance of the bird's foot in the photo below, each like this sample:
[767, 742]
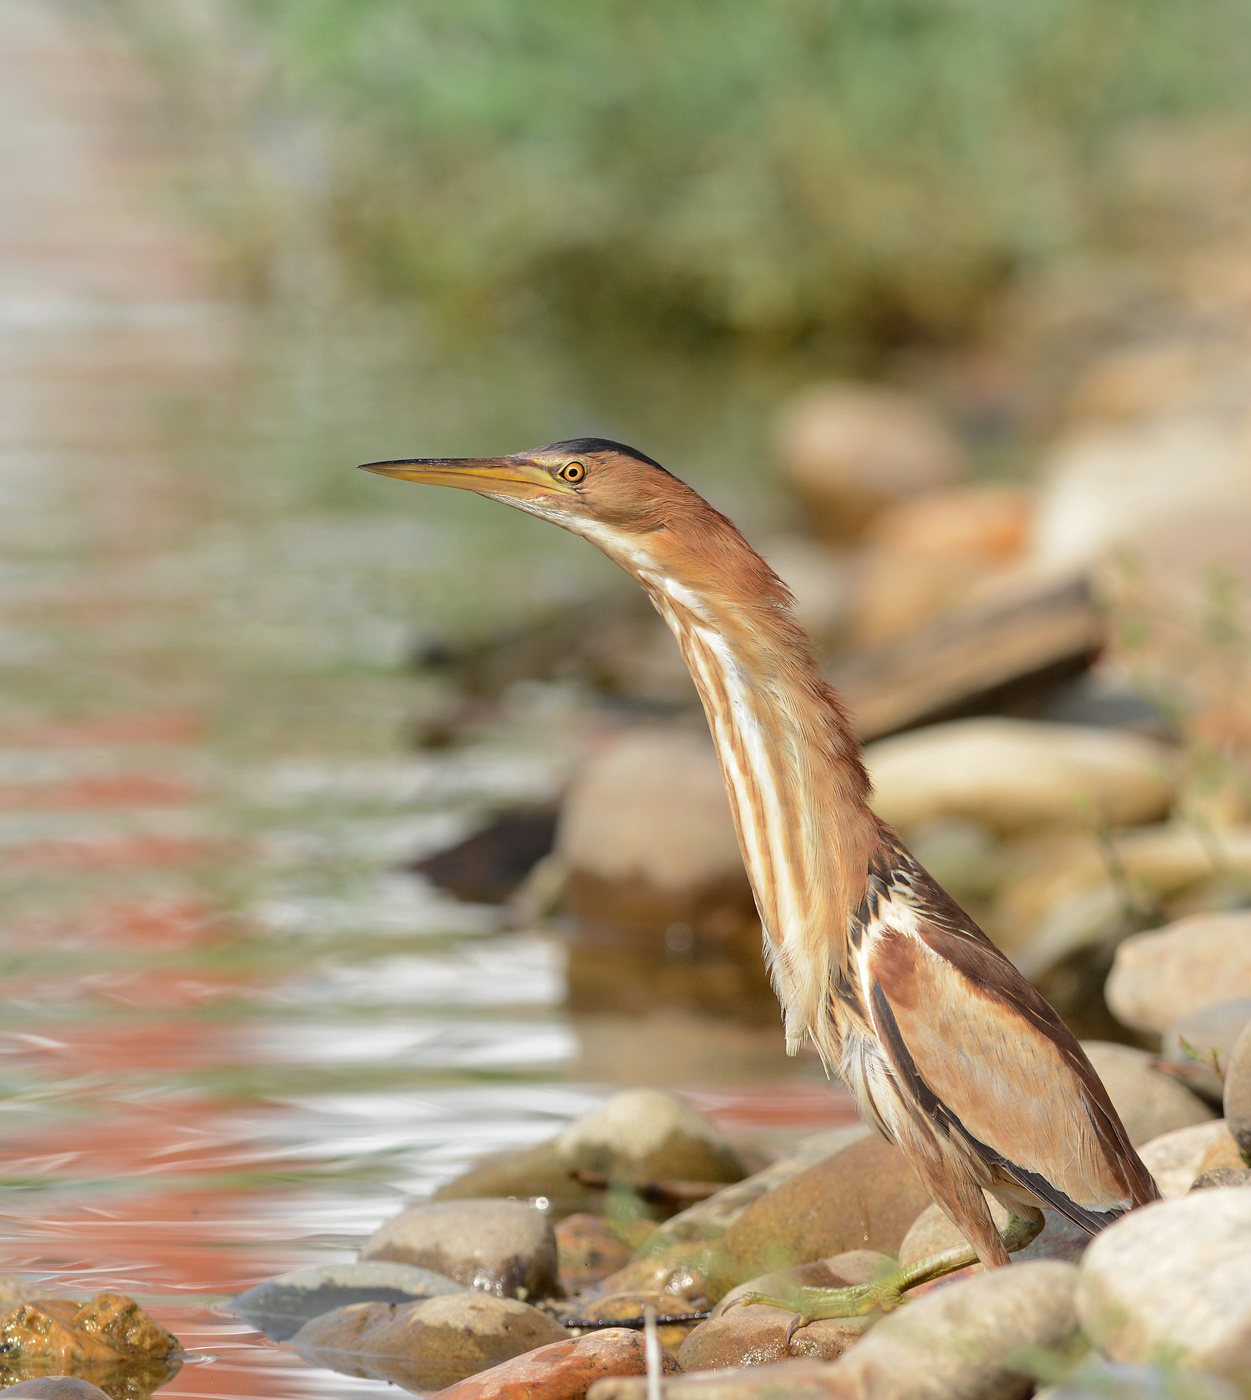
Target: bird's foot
[814, 1304]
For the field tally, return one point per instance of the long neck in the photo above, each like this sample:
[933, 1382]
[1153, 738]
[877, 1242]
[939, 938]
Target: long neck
[792, 769]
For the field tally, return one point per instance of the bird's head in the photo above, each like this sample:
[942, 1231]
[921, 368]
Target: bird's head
[640, 515]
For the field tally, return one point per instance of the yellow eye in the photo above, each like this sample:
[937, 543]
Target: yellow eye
[572, 471]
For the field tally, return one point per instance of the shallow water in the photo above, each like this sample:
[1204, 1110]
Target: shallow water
[237, 1032]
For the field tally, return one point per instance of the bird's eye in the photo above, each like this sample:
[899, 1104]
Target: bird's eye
[572, 471]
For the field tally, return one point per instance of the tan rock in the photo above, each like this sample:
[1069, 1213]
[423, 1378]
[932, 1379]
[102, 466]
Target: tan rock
[1198, 1046]
[1012, 774]
[1175, 1159]
[756, 1336]
[1238, 1091]
[1173, 1281]
[851, 449]
[785, 1380]
[503, 1247]
[587, 1251]
[561, 1370]
[863, 1197]
[929, 554]
[1222, 1153]
[932, 1233]
[426, 1345]
[1167, 973]
[1149, 1103]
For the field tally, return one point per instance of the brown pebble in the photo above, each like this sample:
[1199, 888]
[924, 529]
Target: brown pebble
[561, 1370]
[587, 1251]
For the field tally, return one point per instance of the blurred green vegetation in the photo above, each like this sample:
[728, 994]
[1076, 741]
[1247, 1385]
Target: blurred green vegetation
[776, 169]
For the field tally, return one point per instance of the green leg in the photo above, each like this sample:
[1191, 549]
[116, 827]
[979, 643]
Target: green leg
[887, 1292]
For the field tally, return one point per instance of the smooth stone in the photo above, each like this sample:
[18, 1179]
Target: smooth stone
[426, 1345]
[281, 1306]
[1174, 1280]
[501, 1247]
[1238, 1091]
[959, 1342]
[1222, 1151]
[1199, 961]
[932, 1233]
[57, 1388]
[863, 1197]
[627, 1309]
[1193, 1041]
[538, 1174]
[850, 449]
[784, 1380]
[1222, 1177]
[1149, 1103]
[561, 1370]
[1013, 774]
[1175, 1159]
[756, 1335]
[587, 1251]
[1100, 1379]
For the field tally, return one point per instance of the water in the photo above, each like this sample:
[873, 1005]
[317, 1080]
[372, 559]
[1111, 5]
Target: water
[237, 1032]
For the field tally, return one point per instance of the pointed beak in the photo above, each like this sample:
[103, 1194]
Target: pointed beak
[492, 476]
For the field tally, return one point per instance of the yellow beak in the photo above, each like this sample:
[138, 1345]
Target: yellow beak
[492, 476]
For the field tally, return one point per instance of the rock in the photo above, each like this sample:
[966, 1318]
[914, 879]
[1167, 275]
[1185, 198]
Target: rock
[959, 1342]
[1174, 1280]
[1165, 974]
[853, 1266]
[1099, 1379]
[1213, 1177]
[561, 1370]
[57, 1388]
[627, 1310]
[931, 1233]
[1104, 487]
[1194, 1041]
[587, 1251]
[1036, 637]
[110, 1328]
[281, 1306]
[851, 449]
[863, 1197]
[637, 1135]
[756, 1335]
[501, 1247]
[1176, 1158]
[928, 555]
[787, 1380]
[487, 867]
[1011, 774]
[1149, 1103]
[426, 1345]
[1238, 1092]
[1222, 1151]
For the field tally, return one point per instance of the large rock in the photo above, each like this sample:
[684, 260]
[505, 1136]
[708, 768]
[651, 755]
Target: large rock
[637, 1135]
[1175, 1159]
[1167, 973]
[281, 1306]
[1104, 488]
[1011, 774]
[561, 1370]
[424, 1346]
[1198, 1047]
[588, 1251]
[1149, 1103]
[863, 1197]
[1174, 1280]
[1238, 1092]
[963, 1341]
[500, 1247]
[851, 449]
[932, 1233]
[756, 1336]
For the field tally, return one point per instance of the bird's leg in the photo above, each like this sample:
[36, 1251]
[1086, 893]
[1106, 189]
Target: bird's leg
[887, 1292]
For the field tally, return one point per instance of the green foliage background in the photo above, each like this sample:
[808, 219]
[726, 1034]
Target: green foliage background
[762, 167]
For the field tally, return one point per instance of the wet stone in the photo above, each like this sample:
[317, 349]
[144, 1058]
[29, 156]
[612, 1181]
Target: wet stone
[561, 1370]
[57, 1388]
[587, 1251]
[426, 1345]
[281, 1306]
[864, 1197]
[501, 1247]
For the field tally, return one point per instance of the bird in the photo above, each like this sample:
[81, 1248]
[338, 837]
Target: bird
[950, 1052]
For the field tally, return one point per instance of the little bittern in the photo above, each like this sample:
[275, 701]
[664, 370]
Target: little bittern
[948, 1049]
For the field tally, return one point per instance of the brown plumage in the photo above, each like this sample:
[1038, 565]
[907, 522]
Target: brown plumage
[948, 1049]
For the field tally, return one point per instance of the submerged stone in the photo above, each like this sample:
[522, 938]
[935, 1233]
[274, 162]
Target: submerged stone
[281, 1306]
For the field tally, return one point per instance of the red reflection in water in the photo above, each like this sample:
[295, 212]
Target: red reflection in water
[110, 790]
[102, 731]
[113, 851]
